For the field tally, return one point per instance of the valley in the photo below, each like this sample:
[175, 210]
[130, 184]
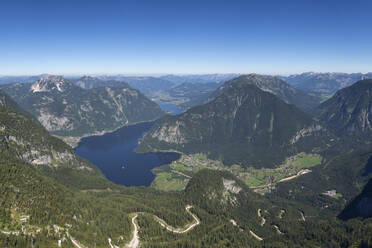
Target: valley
[176, 175]
[136, 196]
[185, 124]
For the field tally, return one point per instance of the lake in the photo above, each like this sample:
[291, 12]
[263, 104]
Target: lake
[114, 155]
[170, 108]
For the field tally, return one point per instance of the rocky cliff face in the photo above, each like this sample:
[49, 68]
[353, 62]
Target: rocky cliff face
[243, 124]
[349, 111]
[24, 141]
[68, 110]
[50, 83]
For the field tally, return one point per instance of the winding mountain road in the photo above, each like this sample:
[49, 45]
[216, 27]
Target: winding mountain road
[75, 243]
[187, 228]
[263, 220]
[134, 243]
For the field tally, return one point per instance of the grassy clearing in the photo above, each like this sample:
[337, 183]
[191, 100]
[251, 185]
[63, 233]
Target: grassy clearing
[304, 160]
[167, 181]
[181, 167]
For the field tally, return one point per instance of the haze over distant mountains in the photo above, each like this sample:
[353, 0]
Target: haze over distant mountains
[317, 83]
[324, 84]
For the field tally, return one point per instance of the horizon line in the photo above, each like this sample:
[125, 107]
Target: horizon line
[176, 74]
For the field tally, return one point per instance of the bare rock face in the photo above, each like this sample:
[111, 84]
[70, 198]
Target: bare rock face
[50, 83]
[23, 139]
[170, 134]
[308, 131]
[54, 123]
[230, 185]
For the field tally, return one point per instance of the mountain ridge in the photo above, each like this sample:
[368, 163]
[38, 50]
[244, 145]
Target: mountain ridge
[324, 84]
[273, 85]
[349, 111]
[65, 109]
[242, 115]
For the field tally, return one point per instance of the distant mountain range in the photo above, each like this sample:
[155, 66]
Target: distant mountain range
[324, 84]
[201, 78]
[68, 110]
[184, 91]
[191, 90]
[88, 82]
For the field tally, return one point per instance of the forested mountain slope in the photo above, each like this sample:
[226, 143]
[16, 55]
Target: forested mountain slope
[243, 125]
[349, 111]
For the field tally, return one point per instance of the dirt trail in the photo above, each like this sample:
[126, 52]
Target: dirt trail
[187, 228]
[300, 173]
[75, 243]
[263, 220]
[134, 243]
[111, 245]
[256, 236]
[277, 229]
[269, 185]
[302, 216]
[281, 213]
[180, 173]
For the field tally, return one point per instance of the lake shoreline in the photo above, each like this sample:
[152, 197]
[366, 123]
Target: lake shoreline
[114, 154]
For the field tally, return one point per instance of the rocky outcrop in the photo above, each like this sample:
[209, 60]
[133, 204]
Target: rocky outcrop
[308, 131]
[50, 83]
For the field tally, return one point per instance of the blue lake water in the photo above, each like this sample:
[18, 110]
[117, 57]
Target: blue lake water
[170, 108]
[114, 155]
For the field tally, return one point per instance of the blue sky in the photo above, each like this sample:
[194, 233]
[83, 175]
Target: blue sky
[161, 36]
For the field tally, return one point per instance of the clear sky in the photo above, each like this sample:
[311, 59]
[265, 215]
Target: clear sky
[184, 36]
